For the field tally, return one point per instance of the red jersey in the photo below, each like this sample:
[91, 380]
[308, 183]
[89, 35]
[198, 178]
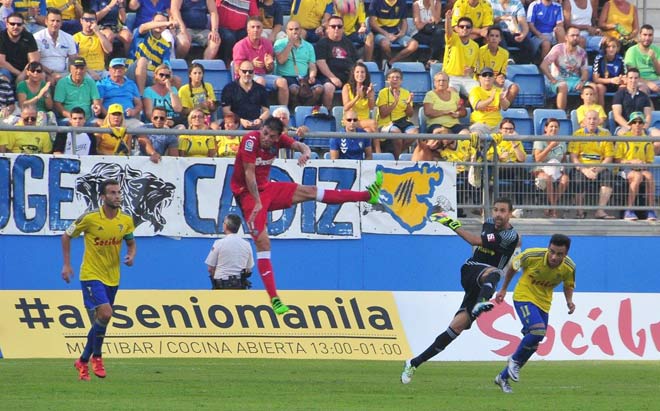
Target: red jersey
[233, 15]
[250, 152]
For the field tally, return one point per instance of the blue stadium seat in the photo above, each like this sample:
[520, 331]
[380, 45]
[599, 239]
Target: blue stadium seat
[216, 73]
[611, 124]
[466, 120]
[525, 126]
[376, 75]
[130, 20]
[297, 154]
[656, 175]
[540, 114]
[532, 89]
[326, 155]
[211, 64]
[434, 69]
[415, 79]
[338, 113]
[422, 120]
[575, 123]
[285, 6]
[315, 124]
[515, 113]
[565, 126]
[383, 156]
[405, 157]
[180, 68]
[515, 69]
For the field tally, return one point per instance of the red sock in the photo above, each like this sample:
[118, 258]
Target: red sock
[344, 196]
[267, 276]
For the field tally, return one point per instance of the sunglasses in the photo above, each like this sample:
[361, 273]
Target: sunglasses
[89, 19]
[637, 122]
[198, 116]
[464, 26]
[36, 71]
[486, 74]
[164, 75]
[351, 120]
[158, 118]
[247, 71]
[29, 119]
[336, 26]
[15, 23]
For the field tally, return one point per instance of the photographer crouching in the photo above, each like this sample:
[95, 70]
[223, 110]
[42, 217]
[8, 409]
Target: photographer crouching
[230, 260]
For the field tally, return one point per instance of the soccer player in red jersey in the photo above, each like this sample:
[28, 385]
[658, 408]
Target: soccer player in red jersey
[256, 195]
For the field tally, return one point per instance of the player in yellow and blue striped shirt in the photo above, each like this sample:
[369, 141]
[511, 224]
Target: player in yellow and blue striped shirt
[543, 270]
[104, 229]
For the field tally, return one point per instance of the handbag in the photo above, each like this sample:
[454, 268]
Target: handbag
[429, 28]
[305, 89]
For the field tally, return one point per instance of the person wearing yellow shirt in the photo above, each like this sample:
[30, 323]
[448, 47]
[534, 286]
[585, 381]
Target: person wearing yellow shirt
[461, 53]
[227, 146]
[487, 101]
[25, 141]
[510, 152]
[543, 269]
[355, 28]
[588, 96]
[93, 45]
[496, 57]
[634, 155]
[313, 17]
[589, 156]
[479, 11]
[395, 110]
[196, 145]
[105, 228]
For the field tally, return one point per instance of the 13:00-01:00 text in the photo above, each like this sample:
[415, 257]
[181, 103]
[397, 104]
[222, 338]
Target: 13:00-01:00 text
[348, 348]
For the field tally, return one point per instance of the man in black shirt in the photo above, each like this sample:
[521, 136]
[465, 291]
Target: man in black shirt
[17, 48]
[479, 275]
[246, 99]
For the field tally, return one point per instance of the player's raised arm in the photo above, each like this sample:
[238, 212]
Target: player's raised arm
[305, 152]
[457, 226]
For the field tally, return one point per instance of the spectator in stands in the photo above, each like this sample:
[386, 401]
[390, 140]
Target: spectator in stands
[259, 51]
[157, 145]
[461, 55]
[565, 68]
[635, 155]
[17, 48]
[551, 152]
[546, 22]
[645, 57]
[227, 146]
[628, 100]
[110, 14]
[35, 90]
[191, 16]
[313, 17]
[271, 16]
[358, 94]
[511, 17]
[487, 101]
[355, 28]
[481, 14]
[151, 49]
[6, 8]
[118, 89]
[196, 145]
[589, 155]
[7, 97]
[117, 142]
[443, 108]
[295, 61]
[395, 110]
[93, 45]
[583, 15]
[608, 71]
[72, 11]
[145, 10]
[77, 90]
[80, 144]
[23, 140]
[245, 98]
[589, 103]
[56, 47]
[335, 56]
[510, 152]
[493, 56]
[351, 148]
[232, 20]
[163, 94]
[427, 18]
[388, 23]
[33, 13]
[198, 94]
[282, 113]
[618, 19]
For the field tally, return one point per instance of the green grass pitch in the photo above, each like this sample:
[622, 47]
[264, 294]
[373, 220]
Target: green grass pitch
[261, 384]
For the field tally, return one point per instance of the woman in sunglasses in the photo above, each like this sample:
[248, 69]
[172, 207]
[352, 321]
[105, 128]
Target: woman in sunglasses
[487, 101]
[196, 145]
[117, 141]
[163, 94]
[35, 90]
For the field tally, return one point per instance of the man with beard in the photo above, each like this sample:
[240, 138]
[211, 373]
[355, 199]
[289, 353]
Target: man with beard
[644, 56]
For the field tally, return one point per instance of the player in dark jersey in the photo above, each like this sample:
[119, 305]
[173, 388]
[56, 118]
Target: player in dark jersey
[479, 275]
[256, 194]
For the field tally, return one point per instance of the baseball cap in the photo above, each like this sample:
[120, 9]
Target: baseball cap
[117, 62]
[487, 70]
[115, 108]
[79, 62]
[636, 115]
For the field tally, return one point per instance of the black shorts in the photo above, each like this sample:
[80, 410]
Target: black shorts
[470, 281]
[455, 129]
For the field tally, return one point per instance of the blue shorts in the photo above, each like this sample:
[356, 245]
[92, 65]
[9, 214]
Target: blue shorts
[530, 314]
[570, 81]
[357, 39]
[96, 293]
[270, 80]
[401, 41]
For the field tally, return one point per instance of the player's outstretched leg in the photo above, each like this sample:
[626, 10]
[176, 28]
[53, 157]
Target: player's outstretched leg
[513, 367]
[371, 195]
[503, 384]
[83, 370]
[278, 306]
[98, 367]
[375, 187]
[408, 372]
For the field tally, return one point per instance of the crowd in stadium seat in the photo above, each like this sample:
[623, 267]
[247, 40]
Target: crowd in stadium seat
[481, 66]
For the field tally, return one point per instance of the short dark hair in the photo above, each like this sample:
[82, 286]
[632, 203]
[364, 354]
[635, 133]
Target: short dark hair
[53, 10]
[561, 240]
[504, 200]
[508, 121]
[274, 124]
[233, 222]
[464, 18]
[78, 110]
[104, 184]
[494, 28]
[646, 27]
[632, 70]
[159, 108]
[16, 14]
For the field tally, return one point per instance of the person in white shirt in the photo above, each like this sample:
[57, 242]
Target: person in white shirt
[230, 260]
[80, 144]
[55, 47]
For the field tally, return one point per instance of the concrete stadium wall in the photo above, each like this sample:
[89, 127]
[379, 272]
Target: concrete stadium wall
[376, 262]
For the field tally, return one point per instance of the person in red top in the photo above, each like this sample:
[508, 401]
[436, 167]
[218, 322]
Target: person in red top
[256, 195]
[232, 21]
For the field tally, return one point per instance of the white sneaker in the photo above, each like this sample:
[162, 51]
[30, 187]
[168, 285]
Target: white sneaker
[514, 369]
[503, 384]
[408, 372]
[481, 308]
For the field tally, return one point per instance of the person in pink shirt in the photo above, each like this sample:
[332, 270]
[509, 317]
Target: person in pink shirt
[232, 20]
[259, 51]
